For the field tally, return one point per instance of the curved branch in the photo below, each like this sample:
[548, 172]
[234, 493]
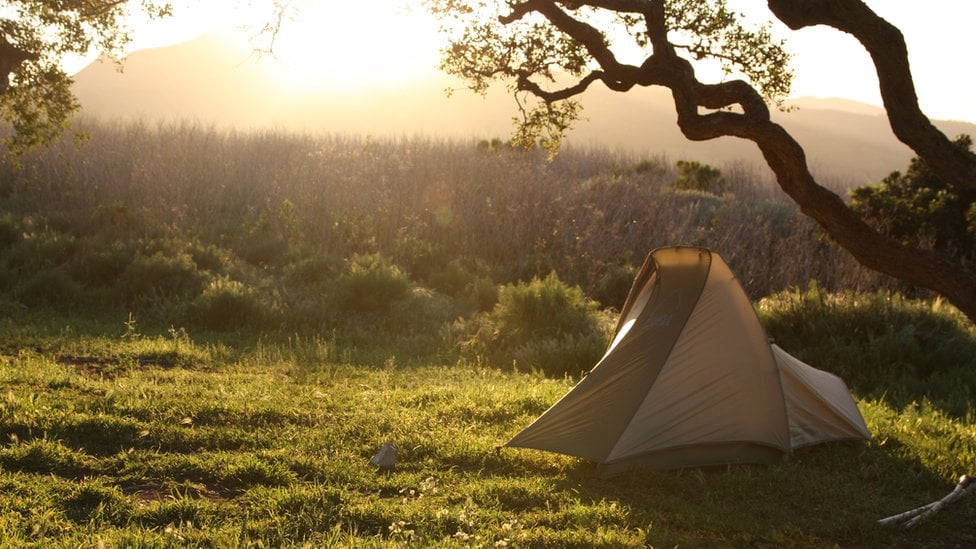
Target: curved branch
[782, 153]
[887, 48]
[550, 96]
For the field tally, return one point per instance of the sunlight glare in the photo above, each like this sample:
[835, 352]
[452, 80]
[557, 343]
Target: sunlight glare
[354, 45]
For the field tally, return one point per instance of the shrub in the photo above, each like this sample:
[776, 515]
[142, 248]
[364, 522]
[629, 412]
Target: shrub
[208, 257]
[370, 283]
[880, 343]
[52, 287]
[420, 258]
[314, 272]
[541, 325]
[921, 209]
[100, 265]
[39, 251]
[228, 305]
[695, 176]
[614, 284]
[470, 285]
[161, 276]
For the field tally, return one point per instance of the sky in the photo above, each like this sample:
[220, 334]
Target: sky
[368, 43]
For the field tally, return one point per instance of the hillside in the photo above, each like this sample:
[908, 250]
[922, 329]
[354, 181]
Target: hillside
[214, 80]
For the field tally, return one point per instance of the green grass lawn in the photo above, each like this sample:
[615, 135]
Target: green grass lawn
[166, 441]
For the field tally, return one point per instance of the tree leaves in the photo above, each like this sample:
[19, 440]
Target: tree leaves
[35, 36]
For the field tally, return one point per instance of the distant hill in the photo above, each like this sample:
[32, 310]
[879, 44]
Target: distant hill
[213, 80]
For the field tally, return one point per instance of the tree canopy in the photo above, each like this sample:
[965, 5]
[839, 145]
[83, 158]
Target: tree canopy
[35, 37]
[919, 208]
[549, 52]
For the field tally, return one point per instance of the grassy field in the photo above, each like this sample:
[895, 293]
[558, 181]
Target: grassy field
[205, 336]
[110, 437]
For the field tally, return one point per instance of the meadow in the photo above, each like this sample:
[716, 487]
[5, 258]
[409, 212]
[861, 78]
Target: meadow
[206, 335]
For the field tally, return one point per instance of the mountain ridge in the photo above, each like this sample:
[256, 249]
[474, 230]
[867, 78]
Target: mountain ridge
[214, 80]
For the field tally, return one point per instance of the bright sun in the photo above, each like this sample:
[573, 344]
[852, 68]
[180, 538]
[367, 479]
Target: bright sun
[353, 45]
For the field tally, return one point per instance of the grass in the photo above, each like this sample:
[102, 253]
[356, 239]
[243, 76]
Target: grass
[167, 440]
[253, 426]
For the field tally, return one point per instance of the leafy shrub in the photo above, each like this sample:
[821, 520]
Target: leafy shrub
[470, 285]
[540, 325]
[208, 257]
[880, 343]
[227, 305]
[115, 218]
[370, 283]
[420, 258]
[161, 276]
[614, 284]
[313, 272]
[41, 251]
[921, 209]
[50, 287]
[695, 176]
[100, 265]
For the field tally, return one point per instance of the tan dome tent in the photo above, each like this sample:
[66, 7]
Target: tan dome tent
[692, 380]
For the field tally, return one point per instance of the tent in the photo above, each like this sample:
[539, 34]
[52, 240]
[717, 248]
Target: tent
[691, 379]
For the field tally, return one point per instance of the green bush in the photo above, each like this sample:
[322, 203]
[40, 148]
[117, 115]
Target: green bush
[695, 176]
[100, 265]
[51, 287]
[614, 284]
[542, 325]
[227, 305]
[161, 277]
[881, 344]
[370, 283]
[470, 285]
[313, 272]
[208, 257]
[40, 251]
[921, 209]
[420, 258]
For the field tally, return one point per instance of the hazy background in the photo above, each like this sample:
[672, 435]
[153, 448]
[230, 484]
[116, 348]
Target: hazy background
[216, 78]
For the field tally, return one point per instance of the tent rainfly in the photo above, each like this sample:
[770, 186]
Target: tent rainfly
[691, 380]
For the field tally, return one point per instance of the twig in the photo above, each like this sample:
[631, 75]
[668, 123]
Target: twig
[966, 485]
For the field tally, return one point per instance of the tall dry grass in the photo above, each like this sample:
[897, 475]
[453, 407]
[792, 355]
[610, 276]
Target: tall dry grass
[274, 197]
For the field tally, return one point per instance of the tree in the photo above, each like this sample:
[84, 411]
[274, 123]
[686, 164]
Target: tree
[35, 37]
[549, 52]
[919, 208]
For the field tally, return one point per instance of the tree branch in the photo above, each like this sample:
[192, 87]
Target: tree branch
[782, 153]
[887, 48]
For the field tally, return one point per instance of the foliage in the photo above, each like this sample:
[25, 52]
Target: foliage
[35, 36]
[50, 287]
[537, 51]
[882, 344]
[919, 208]
[549, 53]
[161, 277]
[370, 283]
[227, 305]
[543, 324]
[464, 221]
[695, 176]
